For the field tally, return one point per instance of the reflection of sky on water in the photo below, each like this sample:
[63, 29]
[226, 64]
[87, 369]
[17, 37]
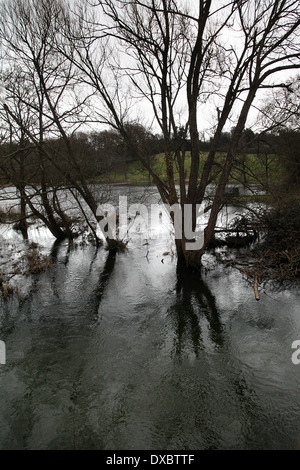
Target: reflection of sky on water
[129, 351]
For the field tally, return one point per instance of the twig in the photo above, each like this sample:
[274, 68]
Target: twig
[256, 289]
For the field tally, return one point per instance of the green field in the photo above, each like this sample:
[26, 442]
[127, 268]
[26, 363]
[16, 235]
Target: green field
[248, 169]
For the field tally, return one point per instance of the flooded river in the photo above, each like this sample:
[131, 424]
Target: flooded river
[129, 351]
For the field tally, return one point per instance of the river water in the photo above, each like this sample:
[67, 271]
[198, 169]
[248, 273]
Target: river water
[128, 351]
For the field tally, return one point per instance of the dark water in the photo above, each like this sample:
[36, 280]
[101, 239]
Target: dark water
[129, 352]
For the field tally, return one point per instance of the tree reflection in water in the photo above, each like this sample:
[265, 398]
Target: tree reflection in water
[193, 301]
[106, 274]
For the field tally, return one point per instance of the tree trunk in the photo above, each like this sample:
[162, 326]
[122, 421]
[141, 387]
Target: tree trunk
[23, 226]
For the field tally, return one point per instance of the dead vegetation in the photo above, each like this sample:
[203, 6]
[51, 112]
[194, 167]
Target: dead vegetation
[7, 290]
[277, 257]
[36, 262]
[30, 263]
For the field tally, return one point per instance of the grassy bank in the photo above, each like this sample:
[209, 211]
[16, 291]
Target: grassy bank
[248, 169]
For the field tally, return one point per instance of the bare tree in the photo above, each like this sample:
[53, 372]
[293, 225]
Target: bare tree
[53, 106]
[154, 60]
[14, 159]
[172, 52]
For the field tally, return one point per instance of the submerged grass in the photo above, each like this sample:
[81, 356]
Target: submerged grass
[36, 262]
[32, 262]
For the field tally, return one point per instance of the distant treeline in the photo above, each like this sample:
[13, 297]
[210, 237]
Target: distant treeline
[101, 152]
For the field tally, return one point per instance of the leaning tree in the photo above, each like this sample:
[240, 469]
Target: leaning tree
[43, 100]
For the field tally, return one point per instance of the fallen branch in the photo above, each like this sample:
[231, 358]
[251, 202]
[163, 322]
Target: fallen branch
[256, 289]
